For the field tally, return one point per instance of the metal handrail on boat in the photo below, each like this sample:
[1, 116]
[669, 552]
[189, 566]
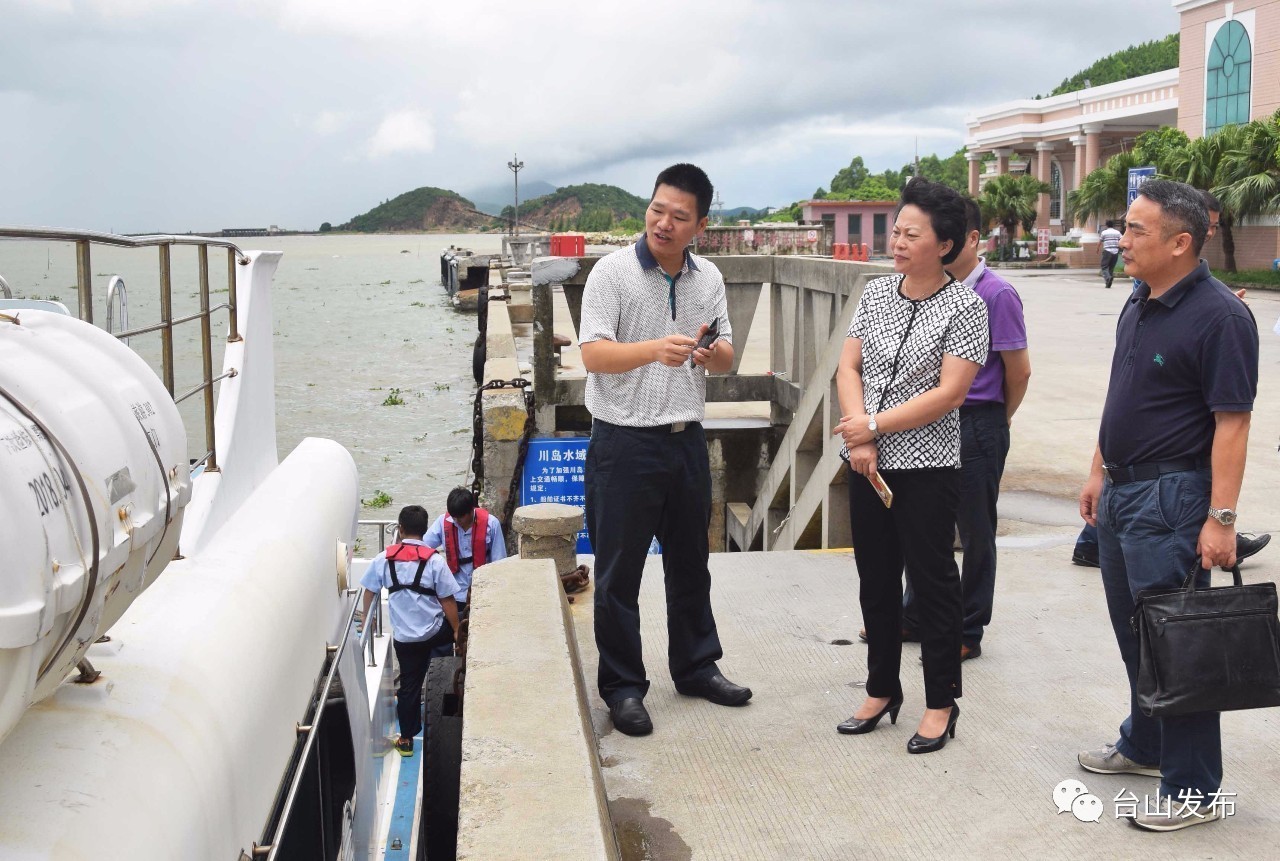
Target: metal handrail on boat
[117, 294]
[85, 239]
[385, 528]
[270, 846]
[371, 630]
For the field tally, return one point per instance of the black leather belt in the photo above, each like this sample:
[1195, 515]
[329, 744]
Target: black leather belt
[1152, 470]
[675, 427]
[466, 560]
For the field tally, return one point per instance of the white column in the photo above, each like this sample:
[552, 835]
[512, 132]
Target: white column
[975, 171]
[1002, 159]
[1044, 152]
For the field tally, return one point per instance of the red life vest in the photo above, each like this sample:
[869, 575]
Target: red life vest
[479, 538]
[409, 553]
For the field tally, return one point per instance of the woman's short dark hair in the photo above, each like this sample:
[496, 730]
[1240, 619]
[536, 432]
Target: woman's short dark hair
[945, 208]
[460, 503]
[690, 179]
[414, 521]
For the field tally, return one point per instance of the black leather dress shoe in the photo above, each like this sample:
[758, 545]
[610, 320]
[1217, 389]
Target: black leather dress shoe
[1248, 544]
[716, 688]
[859, 726]
[630, 717]
[921, 744]
[1086, 555]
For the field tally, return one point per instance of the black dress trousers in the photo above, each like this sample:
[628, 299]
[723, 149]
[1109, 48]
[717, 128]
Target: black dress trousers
[642, 483]
[916, 532]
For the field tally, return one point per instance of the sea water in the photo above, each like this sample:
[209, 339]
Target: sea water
[357, 319]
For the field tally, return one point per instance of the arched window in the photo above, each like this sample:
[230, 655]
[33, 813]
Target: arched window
[1228, 78]
[1055, 195]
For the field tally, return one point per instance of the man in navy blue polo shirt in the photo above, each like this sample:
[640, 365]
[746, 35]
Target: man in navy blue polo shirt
[1167, 471]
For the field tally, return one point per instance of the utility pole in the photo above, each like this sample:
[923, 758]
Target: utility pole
[515, 164]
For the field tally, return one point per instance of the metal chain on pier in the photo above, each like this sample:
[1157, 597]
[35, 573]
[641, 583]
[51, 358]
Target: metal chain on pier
[477, 442]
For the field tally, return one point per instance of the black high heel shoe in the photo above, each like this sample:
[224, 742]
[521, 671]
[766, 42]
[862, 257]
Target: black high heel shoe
[857, 726]
[920, 744]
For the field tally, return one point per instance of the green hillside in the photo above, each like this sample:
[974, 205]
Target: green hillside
[1132, 62]
[425, 208]
[588, 207]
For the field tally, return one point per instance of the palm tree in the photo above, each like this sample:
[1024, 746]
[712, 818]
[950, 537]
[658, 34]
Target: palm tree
[1249, 178]
[1104, 193]
[1011, 199]
[1202, 164]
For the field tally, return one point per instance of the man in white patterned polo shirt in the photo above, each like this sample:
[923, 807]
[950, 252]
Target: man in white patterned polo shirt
[647, 473]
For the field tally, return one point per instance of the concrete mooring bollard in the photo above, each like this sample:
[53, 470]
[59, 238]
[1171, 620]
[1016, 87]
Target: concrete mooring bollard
[549, 530]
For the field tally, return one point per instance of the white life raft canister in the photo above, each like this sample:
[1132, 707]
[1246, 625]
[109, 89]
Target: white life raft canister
[93, 480]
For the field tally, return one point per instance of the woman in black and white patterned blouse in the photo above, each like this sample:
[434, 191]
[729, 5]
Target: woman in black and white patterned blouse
[918, 339]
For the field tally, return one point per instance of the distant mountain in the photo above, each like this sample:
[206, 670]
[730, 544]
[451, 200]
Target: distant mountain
[492, 198]
[740, 212]
[423, 208]
[588, 207]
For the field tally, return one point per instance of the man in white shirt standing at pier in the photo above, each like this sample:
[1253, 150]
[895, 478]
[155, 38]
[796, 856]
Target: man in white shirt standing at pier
[647, 472]
[1110, 252]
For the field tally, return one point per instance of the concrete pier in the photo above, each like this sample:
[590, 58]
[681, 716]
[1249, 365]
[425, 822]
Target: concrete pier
[773, 780]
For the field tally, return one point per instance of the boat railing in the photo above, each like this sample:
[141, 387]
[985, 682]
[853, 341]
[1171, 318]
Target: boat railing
[4, 288]
[371, 631]
[309, 735]
[85, 240]
[117, 295]
[386, 529]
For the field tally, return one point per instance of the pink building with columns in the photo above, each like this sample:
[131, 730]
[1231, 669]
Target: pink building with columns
[1228, 72]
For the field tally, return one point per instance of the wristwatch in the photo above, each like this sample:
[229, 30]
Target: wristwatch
[873, 427]
[1225, 516]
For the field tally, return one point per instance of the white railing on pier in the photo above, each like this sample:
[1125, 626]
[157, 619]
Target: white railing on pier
[801, 498]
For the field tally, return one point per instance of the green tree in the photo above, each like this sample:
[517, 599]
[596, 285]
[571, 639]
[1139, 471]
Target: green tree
[787, 214]
[1202, 163]
[326, 227]
[595, 220]
[1011, 199]
[849, 178]
[1160, 146]
[1249, 179]
[952, 171]
[871, 188]
[1104, 192]
[1133, 61]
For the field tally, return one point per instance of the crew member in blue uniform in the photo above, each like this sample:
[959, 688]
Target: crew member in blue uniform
[423, 613]
[455, 532]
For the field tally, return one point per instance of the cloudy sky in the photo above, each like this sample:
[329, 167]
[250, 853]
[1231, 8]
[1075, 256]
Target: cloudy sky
[134, 115]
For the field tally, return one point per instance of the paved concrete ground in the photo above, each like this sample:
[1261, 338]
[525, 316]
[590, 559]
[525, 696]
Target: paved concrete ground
[774, 780]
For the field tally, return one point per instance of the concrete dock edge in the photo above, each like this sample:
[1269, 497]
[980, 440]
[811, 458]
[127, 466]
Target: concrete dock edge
[531, 784]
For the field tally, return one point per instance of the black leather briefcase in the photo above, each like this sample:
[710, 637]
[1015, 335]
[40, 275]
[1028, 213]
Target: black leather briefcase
[1208, 649]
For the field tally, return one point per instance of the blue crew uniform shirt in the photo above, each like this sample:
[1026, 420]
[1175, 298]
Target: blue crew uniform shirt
[414, 618]
[1179, 359]
[494, 545]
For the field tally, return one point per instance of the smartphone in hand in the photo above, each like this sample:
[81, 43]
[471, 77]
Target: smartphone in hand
[708, 338]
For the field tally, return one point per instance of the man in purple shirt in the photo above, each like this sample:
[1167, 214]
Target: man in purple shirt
[985, 417]
[994, 396]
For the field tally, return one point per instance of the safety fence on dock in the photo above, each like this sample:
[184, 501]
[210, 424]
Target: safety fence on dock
[782, 488]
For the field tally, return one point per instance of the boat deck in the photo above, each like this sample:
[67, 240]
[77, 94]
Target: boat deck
[773, 780]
